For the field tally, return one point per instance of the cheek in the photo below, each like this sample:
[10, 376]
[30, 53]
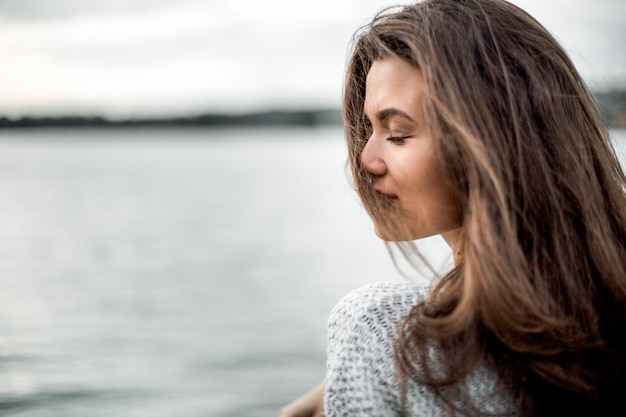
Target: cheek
[421, 178]
[427, 195]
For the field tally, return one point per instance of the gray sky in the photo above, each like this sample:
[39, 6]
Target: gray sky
[168, 57]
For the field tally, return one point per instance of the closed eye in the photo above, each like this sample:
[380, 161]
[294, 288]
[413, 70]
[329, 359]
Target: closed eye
[397, 139]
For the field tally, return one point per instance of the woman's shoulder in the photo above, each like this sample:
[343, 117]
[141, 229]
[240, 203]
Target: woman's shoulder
[369, 316]
[385, 302]
[361, 377]
[361, 374]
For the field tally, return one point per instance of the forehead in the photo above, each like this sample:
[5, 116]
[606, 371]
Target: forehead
[392, 83]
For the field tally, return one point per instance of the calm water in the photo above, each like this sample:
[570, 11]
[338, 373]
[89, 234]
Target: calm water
[174, 272]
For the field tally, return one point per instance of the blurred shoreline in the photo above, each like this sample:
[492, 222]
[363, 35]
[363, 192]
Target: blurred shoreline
[612, 105]
[271, 118]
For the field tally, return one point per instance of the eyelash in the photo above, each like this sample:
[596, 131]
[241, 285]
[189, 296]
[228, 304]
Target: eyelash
[397, 139]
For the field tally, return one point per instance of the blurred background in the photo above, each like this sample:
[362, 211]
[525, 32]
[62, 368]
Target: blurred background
[175, 218]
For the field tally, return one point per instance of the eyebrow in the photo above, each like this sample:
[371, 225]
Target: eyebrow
[387, 113]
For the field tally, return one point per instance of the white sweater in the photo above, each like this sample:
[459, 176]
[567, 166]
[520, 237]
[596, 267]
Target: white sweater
[361, 379]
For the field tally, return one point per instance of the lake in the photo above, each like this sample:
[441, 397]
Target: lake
[175, 272]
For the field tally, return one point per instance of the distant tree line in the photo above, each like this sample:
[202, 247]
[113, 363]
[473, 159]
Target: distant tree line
[612, 104]
[268, 118]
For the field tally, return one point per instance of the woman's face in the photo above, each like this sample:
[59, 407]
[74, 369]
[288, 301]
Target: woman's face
[400, 158]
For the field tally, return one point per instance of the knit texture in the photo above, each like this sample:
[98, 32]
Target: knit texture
[361, 379]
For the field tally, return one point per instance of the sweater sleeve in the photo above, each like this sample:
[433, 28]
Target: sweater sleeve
[361, 378]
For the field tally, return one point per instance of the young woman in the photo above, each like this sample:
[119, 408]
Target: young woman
[465, 118]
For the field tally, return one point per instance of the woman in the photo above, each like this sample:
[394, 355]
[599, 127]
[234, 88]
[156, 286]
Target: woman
[465, 118]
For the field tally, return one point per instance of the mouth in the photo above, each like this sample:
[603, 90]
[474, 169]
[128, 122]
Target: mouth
[387, 196]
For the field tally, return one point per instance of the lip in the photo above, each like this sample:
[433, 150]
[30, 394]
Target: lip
[388, 196]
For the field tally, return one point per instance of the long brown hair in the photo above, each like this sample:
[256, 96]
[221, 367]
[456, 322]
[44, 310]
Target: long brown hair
[540, 288]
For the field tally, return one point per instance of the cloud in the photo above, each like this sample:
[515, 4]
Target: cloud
[194, 55]
[61, 9]
[125, 57]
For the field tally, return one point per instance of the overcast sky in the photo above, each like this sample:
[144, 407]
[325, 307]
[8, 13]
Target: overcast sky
[125, 58]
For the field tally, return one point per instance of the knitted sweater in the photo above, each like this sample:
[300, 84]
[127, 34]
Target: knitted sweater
[361, 379]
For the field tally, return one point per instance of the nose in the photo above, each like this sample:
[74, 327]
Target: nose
[372, 158]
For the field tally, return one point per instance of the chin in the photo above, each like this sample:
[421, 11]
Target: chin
[405, 234]
[393, 236]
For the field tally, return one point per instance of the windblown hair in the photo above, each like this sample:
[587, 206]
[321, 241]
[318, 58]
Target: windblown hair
[540, 289]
